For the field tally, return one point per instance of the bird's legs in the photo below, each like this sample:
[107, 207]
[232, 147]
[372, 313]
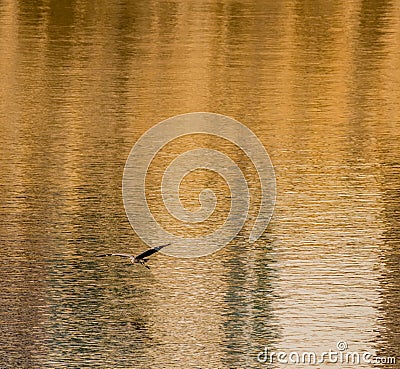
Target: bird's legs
[143, 262]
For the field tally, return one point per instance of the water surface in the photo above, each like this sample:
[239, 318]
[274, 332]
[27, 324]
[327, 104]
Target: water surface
[80, 82]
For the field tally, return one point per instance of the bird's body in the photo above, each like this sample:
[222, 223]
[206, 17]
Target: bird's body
[138, 259]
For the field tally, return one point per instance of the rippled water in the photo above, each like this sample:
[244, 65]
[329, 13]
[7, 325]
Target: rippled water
[80, 82]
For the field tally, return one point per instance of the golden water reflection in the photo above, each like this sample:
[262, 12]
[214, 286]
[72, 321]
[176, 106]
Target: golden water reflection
[318, 82]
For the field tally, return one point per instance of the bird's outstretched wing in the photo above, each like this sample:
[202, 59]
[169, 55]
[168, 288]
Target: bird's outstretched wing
[121, 255]
[150, 251]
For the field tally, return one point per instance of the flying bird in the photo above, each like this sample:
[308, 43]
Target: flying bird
[141, 258]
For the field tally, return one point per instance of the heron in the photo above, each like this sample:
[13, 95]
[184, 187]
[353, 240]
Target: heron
[141, 258]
